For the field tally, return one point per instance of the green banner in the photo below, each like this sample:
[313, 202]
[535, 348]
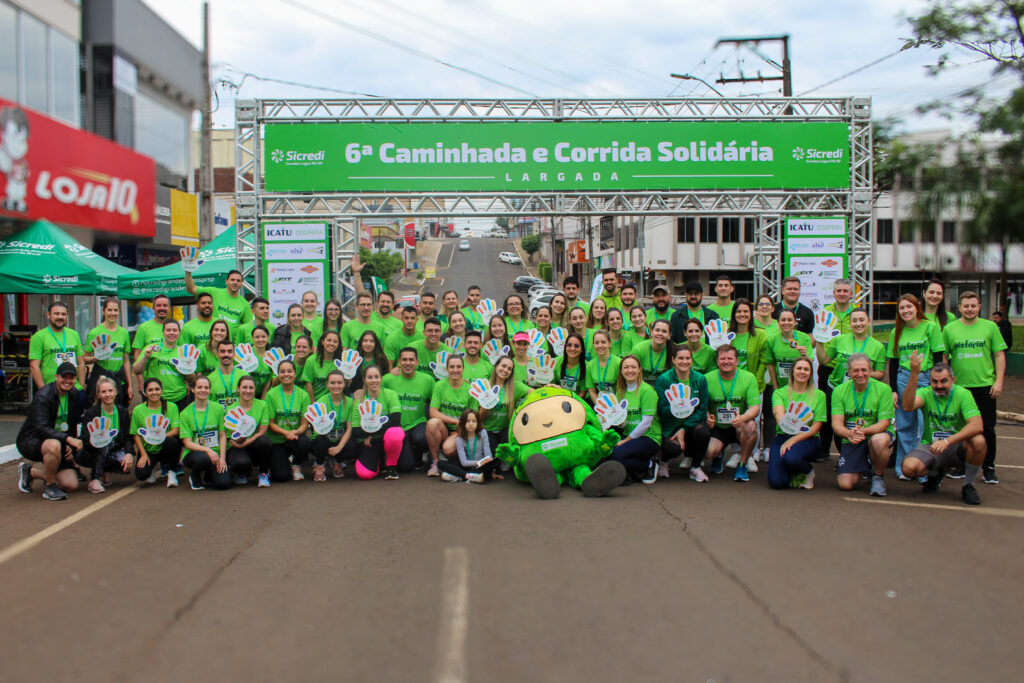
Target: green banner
[555, 156]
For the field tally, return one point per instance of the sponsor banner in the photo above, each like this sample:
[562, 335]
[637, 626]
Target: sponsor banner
[291, 232]
[816, 245]
[65, 175]
[295, 251]
[295, 261]
[576, 251]
[556, 156]
[815, 227]
[815, 252]
[287, 282]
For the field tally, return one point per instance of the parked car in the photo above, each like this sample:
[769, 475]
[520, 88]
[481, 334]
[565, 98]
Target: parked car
[537, 288]
[409, 300]
[509, 257]
[524, 282]
[543, 300]
[464, 245]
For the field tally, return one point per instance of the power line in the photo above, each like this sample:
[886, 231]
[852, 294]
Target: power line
[269, 79]
[851, 73]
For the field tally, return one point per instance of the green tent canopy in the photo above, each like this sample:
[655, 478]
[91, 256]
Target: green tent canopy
[43, 259]
[218, 259]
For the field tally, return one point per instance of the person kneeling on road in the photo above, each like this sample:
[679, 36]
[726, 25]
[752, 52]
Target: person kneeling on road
[46, 437]
[106, 436]
[953, 425]
[862, 415]
[733, 405]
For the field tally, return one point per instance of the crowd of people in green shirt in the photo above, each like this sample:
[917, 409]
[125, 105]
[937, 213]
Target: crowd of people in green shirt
[228, 394]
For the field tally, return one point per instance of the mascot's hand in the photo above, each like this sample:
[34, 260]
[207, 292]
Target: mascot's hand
[509, 453]
[608, 441]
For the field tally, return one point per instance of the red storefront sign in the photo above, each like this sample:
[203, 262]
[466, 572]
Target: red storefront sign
[65, 175]
[410, 235]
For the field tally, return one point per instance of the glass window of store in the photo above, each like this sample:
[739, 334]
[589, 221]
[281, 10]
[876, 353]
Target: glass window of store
[8, 52]
[35, 86]
[161, 133]
[64, 76]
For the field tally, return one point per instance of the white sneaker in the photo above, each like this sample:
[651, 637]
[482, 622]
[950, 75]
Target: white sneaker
[755, 455]
[475, 477]
[685, 463]
[663, 469]
[697, 474]
[445, 476]
[733, 461]
[297, 474]
[433, 471]
[152, 477]
[172, 480]
[809, 482]
[751, 464]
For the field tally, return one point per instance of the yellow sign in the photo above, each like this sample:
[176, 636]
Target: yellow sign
[184, 219]
[430, 272]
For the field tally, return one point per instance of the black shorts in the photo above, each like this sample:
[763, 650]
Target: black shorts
[953, 456]
[726, 436]
[856, 458]
[32, 449]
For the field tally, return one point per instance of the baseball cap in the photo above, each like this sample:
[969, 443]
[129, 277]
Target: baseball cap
[694, 286]
[662, 288]
[67, 369]
[520, 336]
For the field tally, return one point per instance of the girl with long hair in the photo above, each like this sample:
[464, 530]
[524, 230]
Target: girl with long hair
[476, 464]
[789, 465]
[155, 445]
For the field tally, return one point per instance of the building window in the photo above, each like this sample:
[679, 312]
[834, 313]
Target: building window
[883, 230]
[928, 232]
[709, 229]
[34, 64]
[949, 232]
[162, 133]
[686, 230]
[907, 231]
[750, 230]
[8, 52]
[730, 229]
[65, 76]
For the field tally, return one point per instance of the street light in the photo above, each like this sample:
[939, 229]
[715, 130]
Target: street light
[691, 77]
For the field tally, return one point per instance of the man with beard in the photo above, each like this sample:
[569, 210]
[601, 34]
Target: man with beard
[385, 313]
[53, 346]
[197, 330]
[228, 303]
[47, 438]
[405, 336]
[692, 309]
[476, 367]
[571, 288]
[662, 309]
[610, 295]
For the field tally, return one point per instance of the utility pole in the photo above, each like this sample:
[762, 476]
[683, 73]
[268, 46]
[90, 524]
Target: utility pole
[753, 43]
[205, 140]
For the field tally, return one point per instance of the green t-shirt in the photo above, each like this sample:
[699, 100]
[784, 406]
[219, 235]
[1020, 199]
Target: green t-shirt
[522, 326]
[352, 330]
[771, 328]
[243, 333]
[342, 410]
[413, 396]
[623, 346]
[842, 347]
[580, 303]
[572, 380]
[450, 401]
[208, 361]
[286, 411]
[639, 404]
[474, 321]
[497, 417]
[196, 332]
[390, 325]
[479, 370]
[53, 348]
[121, 346]
[704, 360]
[815, 398]
[844, 317]
[519, 372]
[972, 350]
[782, 355]
[610, 300]
[262, 374]
[945, 417]
[159, 365]
[233, 309]
[258, 411]
[925, 338]
[149, 332]
[397, 341]
[653, 315]
[142, 411]
[740, 393]
[871, 405]
[202, 426]
[427, 356]
[389, 404]
[724, 312]
[602, 377]
[316, 373]
[316, 329]
[224, 385]
[652, 363]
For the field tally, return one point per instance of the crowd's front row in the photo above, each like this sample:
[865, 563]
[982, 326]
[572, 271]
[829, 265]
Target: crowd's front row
[405, 419]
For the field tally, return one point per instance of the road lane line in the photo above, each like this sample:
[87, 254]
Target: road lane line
[1012, 467]
[994, 512]
[1000, 437]
[454, 625]
[18, 547]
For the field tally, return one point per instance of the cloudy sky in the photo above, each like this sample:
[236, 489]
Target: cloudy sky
[565, 48]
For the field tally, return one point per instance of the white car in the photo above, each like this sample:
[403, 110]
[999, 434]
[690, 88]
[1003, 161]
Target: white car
[542, 299]
[464, 245]
[509, 257]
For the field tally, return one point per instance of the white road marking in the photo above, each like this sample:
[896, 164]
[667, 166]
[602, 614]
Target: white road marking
[454, 624]
[35, 539]
[1012, 467]
[1000, 437]
[994, 512]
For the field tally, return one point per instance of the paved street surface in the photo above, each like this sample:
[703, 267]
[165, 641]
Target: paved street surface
[420, 580]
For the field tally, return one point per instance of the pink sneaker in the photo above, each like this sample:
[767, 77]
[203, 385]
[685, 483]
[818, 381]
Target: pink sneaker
[697, 474]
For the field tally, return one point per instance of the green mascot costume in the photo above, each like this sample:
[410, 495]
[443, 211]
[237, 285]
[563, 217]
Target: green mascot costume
[555, 438]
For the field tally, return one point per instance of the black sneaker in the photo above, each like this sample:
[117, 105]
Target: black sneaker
[25, 477]
[54, 492]
[989, 475]
[196, 482]
[391, 473]
[970, 495]
[931, 484]
[651, 475]
[956, 473]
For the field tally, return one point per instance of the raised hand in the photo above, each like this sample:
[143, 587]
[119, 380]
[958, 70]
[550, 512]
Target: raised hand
[101, 432]
[190, 260]
[274, 356]
[610, 411]
[319, 418]
[679, 400]
[241, 423]
[494, 351]
[186, 359]
[348, 363]
[718, 333]
[154, 429]
[541, 369]
[825, 324]
[245, 358]
[484, 393]
[371, 416]
[439, 366]
[487, 309]
[557, 337]
[916, 359]
[797, 419]
[103, 346]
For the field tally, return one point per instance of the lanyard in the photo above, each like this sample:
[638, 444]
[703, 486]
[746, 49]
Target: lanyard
[522, 324]
[64, 338]
[62, 409]
[472, 447]
[291, 401]
[195, 418]
[859, 406]
[115, 418]
[862, 346]
[603, 375]
[728, 395]
[656, 365]
[944, 414]
[337, 410]
[575, 377]
[229, 384]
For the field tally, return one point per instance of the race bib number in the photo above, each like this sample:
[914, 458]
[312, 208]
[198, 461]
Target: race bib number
[784, 368]
[853, 424]
[939, 436]
[65, 357]
[208, 439]
[334, 436]
[727, 415]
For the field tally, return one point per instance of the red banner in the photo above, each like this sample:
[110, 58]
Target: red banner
[410, 235]
[65, 175]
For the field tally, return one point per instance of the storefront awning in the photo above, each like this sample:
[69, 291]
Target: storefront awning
[218, 260]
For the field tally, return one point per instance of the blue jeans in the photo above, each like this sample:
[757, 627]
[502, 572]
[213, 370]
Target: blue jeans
[797, 460]
[908, 424]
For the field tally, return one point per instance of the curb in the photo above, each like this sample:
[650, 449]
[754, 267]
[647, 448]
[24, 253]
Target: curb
[1016, 418]
[10, 453]
[522, 257]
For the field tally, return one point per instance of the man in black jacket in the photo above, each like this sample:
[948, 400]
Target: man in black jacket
[693, 309]
[791, 302]
[47, 438]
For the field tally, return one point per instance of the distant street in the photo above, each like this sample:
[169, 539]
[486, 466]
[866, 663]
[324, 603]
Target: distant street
[480, 266]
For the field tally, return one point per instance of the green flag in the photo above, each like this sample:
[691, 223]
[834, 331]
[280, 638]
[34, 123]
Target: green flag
[378, 284]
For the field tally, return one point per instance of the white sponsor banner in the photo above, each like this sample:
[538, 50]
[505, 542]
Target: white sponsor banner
[287, 282]
[291, 232]
[816, 245]
[295, 251]
[815, 227]
[816, 273]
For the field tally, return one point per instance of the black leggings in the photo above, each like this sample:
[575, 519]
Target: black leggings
[454, 467]
[323, 442]
[696, 441]
[242, 460]
[497, 437]
[415, 444]
[203, 470]
[286, 454]
[100, 459]
[169, 459]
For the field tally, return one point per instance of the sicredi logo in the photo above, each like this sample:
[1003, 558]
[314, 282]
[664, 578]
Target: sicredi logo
[818, 156]
[60, 279]
[292, 157]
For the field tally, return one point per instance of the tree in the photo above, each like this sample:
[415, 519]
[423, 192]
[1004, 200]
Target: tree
[531, 245]
[502, 222]
[987, 174]
[382, 264]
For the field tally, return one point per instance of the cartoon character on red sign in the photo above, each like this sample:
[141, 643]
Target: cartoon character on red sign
[13, 148]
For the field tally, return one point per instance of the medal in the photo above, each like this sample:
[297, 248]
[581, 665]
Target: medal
[793, 344]
[63, 426]
[859, 422]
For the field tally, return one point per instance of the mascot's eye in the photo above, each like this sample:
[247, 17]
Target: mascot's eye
[566, 406]
[526, 418]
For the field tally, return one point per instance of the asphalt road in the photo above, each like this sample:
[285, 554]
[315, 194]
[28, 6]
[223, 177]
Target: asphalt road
[459, 270]
[423, 580]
